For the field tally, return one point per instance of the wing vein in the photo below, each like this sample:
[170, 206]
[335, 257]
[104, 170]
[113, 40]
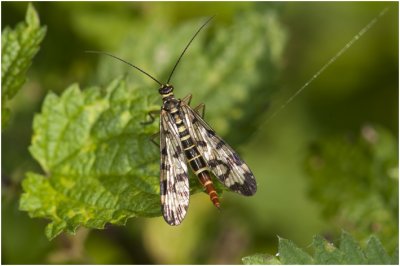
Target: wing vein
[221, 159]
[173, 174]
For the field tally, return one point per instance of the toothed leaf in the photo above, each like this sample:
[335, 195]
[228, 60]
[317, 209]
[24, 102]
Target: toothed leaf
[325, 253]
[99, 164]
[18, 47]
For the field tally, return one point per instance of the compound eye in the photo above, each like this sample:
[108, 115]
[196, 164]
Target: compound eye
[169, 88]
[165, 89]
[162, 89]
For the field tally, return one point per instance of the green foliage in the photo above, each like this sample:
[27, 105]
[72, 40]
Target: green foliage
[289, 253]
[364, 170]
[228, 67]
[325, 253]
[259, 259]
[354, 90]
[18, 47]
[99, 164]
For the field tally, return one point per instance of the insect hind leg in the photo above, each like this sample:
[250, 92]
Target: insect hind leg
[187, 99]
[200, 109]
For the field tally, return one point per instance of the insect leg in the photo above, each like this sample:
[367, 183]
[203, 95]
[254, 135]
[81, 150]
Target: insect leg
[187, 99]
[200, 109]
[154, 137]
[152, 118]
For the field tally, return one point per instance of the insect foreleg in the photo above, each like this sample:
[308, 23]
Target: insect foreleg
[152, 117]
[153, 138]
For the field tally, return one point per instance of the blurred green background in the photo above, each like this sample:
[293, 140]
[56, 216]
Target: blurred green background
[359, 92]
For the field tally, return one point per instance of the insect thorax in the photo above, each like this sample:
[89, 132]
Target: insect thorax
[170, 104]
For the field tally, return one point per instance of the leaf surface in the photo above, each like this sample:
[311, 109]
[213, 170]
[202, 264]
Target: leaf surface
[18, 47]
[99, 164]
[289, 253]
[375, 252]
[325, 253]
[351, 250]
[259, 259]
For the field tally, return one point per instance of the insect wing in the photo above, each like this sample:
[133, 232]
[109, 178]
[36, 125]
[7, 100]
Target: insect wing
[222, 160]
[174, 180]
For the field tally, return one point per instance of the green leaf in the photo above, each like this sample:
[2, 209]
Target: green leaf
[289, 253]
[258, 259]
[100, 166]
[352, 252]
[18, 47]
[325, 253]
[375, 253]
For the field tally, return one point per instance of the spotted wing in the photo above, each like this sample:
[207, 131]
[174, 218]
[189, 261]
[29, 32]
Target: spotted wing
[174, 180]
[222, 160]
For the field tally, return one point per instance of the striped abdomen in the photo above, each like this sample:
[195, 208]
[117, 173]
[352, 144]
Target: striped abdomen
[194, 158]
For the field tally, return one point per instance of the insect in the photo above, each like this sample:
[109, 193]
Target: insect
[186, 139]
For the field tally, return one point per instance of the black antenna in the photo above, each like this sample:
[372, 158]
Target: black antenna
[187, 46]
[122, 60]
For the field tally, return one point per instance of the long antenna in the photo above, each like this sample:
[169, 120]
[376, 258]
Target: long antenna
[187, 46]
[122, 60]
